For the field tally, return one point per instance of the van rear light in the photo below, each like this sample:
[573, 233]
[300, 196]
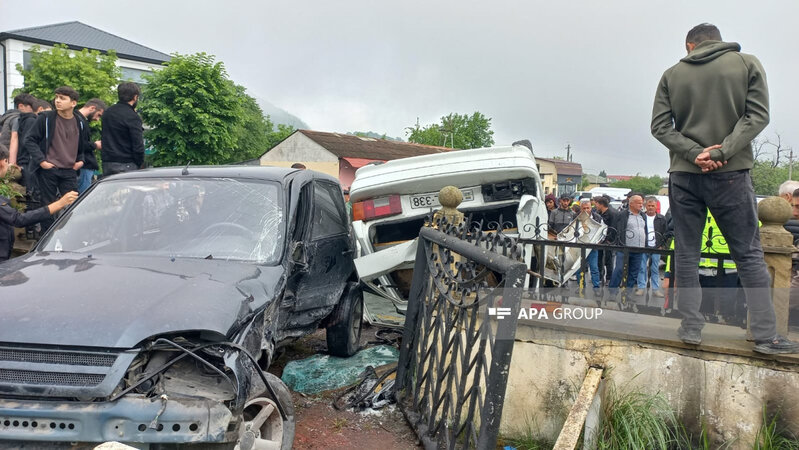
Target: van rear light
[377, 208]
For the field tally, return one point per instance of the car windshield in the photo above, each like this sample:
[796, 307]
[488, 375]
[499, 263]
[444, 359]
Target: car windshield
[212, 218]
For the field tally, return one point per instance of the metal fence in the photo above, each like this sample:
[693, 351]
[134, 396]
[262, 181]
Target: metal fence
[723, 298]
[454, 363]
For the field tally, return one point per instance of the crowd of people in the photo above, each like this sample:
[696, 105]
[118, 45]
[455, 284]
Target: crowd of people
[51, 145]
[636, 224]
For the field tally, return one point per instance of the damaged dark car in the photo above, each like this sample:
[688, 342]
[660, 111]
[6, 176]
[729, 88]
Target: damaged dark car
[151, 310]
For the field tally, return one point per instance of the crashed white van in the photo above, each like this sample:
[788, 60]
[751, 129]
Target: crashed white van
[391, 201]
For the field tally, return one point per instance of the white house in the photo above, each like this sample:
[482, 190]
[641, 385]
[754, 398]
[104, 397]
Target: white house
[134, 59]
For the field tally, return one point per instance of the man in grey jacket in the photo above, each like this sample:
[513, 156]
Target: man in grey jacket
[708, 108]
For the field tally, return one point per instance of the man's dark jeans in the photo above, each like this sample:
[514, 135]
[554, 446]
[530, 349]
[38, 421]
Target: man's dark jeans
[730, 198]
[633, 266]
[113, 168]
[52, 184]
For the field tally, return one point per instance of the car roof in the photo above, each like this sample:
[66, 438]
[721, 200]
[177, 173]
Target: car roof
[282, 175]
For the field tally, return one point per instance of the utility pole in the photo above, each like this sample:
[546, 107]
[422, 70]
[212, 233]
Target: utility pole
[568, 152]
[790, 165]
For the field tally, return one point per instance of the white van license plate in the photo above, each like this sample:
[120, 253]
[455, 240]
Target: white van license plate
[431, 200]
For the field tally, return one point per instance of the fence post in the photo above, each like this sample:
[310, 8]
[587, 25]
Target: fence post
[777, 243]
[449, 197]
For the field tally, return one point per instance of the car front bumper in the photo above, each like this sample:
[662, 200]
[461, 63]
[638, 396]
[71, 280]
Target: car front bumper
[129, 419]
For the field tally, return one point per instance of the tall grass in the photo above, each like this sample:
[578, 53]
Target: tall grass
[772, 437]
[636, 420]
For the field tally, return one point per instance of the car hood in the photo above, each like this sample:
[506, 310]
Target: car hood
[119, 301]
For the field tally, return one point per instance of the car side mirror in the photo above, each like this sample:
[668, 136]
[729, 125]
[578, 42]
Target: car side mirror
[298, 255]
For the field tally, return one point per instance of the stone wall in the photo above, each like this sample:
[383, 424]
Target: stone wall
[727, 392]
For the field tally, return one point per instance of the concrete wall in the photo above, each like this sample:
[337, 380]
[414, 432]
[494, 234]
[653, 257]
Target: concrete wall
[298, 148]
[549, 180]
[727, 392]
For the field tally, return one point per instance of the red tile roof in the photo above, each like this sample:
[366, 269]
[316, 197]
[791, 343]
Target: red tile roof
[349, 146]
[565, 167]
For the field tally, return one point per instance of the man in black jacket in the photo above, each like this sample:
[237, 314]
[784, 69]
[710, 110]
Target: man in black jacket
[122, 141]
[56, 144]
[91, 111]
[606, 257]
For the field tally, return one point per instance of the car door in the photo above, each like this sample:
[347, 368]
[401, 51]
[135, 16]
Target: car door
[328, 250]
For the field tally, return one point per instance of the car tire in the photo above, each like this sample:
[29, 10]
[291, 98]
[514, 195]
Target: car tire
[346, 321]
[274, 424]
[287, 425]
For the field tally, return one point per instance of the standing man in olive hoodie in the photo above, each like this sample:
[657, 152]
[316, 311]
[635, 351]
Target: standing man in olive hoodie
[708, 108]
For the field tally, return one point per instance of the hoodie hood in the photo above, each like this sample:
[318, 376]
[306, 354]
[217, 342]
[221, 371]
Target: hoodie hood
[709, 50]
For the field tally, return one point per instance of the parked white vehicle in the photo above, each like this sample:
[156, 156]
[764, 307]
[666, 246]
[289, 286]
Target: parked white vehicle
[391, 201]
[613, 193]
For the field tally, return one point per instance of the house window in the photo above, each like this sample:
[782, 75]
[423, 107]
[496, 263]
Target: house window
[26, 60]
[134, 75]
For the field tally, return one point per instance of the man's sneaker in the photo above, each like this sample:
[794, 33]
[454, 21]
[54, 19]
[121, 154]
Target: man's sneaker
[639, 292]
[777, 345]
[658, 293]
[693, 337]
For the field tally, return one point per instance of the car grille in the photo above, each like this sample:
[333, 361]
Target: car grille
[58, 372]
[50, 378]
[71, 358]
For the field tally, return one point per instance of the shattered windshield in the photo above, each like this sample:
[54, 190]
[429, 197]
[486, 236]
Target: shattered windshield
[211, 218]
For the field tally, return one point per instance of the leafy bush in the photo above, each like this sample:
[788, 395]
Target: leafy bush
[10, 190]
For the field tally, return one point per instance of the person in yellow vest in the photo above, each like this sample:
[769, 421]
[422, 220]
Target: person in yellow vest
[721, 288]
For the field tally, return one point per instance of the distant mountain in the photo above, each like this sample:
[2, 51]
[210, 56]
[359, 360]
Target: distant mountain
[372, 134]
[278, 115]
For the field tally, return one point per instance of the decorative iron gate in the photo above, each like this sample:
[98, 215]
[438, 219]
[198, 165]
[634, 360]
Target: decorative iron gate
[459, 332]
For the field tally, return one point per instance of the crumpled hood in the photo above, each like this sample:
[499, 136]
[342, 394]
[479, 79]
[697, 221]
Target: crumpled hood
[118, 301]
[709, 50]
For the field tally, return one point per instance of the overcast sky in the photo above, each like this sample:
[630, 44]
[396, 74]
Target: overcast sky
[580, 72]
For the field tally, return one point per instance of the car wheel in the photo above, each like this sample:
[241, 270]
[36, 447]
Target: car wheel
[263, 426]
[344, 329]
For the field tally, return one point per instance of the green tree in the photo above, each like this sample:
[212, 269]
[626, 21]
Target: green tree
[603, 174]
[766, 178]
[644, 185]
[252, 131]
[195, 113]
[456, 131]
[89, 72]
[278, 133]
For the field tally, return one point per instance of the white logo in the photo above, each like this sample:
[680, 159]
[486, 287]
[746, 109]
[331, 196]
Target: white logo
[499, 312]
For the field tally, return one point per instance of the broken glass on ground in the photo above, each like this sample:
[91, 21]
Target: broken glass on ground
[320, 373]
